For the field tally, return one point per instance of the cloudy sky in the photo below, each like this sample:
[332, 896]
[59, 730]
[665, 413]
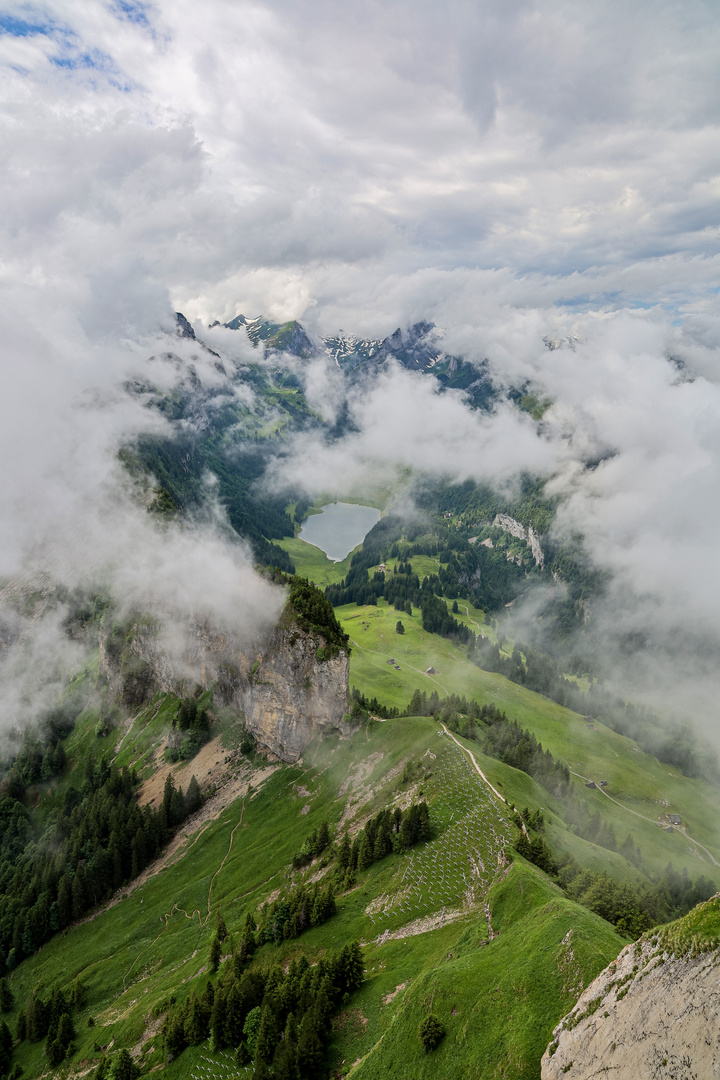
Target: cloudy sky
[368, 159]
[510, 169]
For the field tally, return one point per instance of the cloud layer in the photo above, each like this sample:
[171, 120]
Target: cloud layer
[280, 155]
[509, 170]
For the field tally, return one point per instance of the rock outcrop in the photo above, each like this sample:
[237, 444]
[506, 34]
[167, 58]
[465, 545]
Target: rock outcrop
[287, 692]
[651, 1015]
[522, 532]
[292, 696]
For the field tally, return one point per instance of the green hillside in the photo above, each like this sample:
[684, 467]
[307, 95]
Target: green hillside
[425, 918]
[643, 787]
[457, 926]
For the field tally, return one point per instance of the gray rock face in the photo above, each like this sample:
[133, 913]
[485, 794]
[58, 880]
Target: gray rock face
[287, 694]
[292, 696]
[522, 532]
[648, 1016]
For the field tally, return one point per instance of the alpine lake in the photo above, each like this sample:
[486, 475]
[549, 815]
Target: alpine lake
[339, 528]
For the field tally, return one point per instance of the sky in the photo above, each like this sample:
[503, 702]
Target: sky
[511, 171]
[366, 160]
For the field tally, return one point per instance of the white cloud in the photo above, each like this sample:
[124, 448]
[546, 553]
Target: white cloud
[502, 168]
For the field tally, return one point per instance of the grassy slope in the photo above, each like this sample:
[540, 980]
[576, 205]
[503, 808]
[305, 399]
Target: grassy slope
[155, 942]
[496, 999]
[643, 785]
[312, 563]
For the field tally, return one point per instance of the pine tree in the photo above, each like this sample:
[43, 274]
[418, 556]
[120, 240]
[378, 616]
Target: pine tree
[195, 1026]
[193, 796]
[217, 1020]
[55, 1052]
[233, 1030]
[124, 1068]
[285, 1058]
[7, 998]
[382, 844]
[65, 1030]
[430, 1033]
[365, 854]
[215, 953]
[177, 808]
[309, 1047]
[168, 794]
[244, 951]
[323, 837]
[267, 1036]
[78, 995]
[416, 706]
[350, 966]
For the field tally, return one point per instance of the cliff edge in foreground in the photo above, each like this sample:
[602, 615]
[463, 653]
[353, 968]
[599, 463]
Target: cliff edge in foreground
[653, 1013]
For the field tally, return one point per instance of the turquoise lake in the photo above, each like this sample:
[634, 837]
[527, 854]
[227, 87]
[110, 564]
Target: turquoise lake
[339, 528]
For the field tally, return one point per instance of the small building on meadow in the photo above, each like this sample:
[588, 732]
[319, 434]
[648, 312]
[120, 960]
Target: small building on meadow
[674, 819]
[591, 783]
[430, 671]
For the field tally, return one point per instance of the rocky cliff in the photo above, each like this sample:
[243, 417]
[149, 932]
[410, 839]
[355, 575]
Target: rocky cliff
[522, 532]
[287, 692]
[293, 696]
[652, 1014]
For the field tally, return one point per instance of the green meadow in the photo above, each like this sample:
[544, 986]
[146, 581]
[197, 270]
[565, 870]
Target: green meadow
[421, 917]
[644, 788]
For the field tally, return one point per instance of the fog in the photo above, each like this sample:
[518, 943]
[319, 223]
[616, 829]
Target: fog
[512, 172]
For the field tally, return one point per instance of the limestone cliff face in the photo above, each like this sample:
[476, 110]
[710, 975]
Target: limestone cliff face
[651, 1015]
[287, 694]
[522, 532]
[292, 696]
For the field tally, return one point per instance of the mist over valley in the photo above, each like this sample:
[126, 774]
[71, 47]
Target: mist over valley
[359, 599]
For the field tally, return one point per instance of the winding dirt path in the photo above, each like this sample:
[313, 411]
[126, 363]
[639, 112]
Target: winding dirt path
[470, 754]
[227, 853]
[653, 821]
[167, 918]
[176, 907]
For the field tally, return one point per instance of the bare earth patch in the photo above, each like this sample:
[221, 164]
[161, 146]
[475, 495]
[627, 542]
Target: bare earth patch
[393, 993]
[420, 926]
[208, 767]
[235, 787]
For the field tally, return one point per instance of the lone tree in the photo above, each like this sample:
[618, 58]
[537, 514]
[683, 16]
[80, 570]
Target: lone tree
[430, 1033]
[399, 628]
